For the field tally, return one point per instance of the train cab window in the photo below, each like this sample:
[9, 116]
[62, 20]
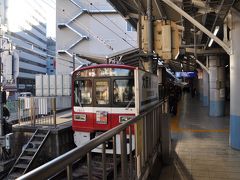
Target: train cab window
[123, 91]
[82, 92]
[102, 92]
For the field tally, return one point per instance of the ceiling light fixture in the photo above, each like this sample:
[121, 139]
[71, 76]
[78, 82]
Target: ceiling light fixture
[214, 33]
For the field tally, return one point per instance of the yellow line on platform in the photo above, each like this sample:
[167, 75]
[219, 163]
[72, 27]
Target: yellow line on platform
[175, 126]
[200, 130]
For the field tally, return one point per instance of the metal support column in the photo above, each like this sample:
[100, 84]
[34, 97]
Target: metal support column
[234, 83]
[200, 88]
[150, 34]
[217, 86]
[124, 164]
[1, 113]
[205, 88]
[1, 103]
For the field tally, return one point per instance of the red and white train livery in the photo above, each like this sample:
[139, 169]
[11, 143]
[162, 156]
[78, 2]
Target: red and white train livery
[103, 96]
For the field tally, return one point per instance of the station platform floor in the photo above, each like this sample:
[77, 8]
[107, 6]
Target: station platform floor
[200, 145]
[63, 120]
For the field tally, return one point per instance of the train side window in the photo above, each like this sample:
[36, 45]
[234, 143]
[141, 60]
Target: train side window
[102, 92]
[123, 91]
[83, 92]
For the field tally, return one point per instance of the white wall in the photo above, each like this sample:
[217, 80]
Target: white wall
[102, 41]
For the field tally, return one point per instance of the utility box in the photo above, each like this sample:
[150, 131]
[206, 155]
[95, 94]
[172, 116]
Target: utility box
[39, 85]
[53, 89]
[59, 85]
[167, 38]
[46, 87]
[53, 85]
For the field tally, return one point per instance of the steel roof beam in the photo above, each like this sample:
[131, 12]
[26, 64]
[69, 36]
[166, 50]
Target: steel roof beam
[198, 25]
[202, 66]
[139, 5]
[160, 9]
[221, 13]
[205, 52]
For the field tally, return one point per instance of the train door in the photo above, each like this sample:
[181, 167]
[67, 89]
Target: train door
[102, 104]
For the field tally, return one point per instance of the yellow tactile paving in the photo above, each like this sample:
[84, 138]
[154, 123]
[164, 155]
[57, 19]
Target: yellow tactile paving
[176, 128]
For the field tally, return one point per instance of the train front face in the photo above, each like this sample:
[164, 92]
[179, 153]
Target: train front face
[102, 97]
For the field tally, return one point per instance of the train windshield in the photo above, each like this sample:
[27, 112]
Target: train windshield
[102, 92]
[82, 92]
[104, 87]
[123, 91]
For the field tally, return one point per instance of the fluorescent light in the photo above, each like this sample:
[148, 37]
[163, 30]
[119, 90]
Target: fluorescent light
[210, 43]
[216, 30]
[181, 65]
[214, 33]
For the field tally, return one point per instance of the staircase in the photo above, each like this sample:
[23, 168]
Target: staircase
[81, 37]
[26, 158]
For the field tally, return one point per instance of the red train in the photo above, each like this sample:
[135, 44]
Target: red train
[103, 96]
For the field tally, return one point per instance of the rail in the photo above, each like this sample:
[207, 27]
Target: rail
[151, 140]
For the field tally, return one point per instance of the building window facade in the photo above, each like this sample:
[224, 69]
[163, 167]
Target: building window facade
[130, 28]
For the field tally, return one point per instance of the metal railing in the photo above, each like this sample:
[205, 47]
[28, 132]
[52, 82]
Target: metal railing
[37, 111]
[149, 142]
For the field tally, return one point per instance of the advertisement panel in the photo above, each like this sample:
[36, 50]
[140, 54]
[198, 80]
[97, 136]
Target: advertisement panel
[147, 89]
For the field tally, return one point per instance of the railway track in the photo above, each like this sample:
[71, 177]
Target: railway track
[80, 168]
[81, 172]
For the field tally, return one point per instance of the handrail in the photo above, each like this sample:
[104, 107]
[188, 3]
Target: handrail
[58, 164]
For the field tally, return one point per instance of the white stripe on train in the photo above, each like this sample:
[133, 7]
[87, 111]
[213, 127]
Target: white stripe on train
[115, 110]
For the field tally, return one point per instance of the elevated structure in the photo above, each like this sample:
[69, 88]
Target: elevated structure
[87, 28]
[25, 22]
[210, 48]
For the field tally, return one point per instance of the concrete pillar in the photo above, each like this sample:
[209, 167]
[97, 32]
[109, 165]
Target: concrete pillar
[205, 88]
[217, 86]
[235, 83]
[200, 89]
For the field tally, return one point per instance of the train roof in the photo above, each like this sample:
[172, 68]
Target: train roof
[106, 65]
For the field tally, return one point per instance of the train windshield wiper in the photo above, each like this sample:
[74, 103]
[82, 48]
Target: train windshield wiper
[129, 103]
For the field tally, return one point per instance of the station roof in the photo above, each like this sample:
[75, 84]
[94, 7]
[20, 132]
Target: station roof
[210, 13]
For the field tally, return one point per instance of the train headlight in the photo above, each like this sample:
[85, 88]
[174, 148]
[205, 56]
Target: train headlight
[101, 117]
[80, 117]
[122, 119]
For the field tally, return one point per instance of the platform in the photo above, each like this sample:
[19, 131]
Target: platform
[62, 117]
[59, 141]
[200, 145]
